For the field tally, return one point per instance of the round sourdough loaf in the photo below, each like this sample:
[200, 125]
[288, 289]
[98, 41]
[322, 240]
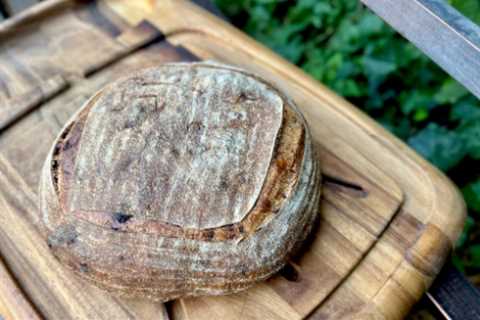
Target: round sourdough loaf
[182, 180]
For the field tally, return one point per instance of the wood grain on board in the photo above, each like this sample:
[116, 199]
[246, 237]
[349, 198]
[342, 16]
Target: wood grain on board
[13, 303]
[388, 218]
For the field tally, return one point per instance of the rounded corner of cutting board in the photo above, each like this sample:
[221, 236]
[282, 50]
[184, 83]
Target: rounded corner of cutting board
[450, 207]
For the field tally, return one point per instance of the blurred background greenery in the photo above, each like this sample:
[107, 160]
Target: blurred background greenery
[351, 50]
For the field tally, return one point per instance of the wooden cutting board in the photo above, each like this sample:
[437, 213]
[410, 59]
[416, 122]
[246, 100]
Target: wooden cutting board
[388, 218]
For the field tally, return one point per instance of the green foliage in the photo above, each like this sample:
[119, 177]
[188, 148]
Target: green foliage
[470, 8]
[443, 147]
[472, 257]
[470, 132]
[345, 46]
[471, 193]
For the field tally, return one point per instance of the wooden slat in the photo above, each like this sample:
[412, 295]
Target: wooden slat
[36, 132]
[23, 86]
[440, 31]
[25, 102]
[13, 303]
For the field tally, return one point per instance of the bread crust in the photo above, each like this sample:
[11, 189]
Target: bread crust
[148, 251]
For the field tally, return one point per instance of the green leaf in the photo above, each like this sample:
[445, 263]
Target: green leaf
[458, 262]
[370, 25]
[421, 114]
[411, 101]
[284, 40]
[470, 132]
[440, 146]
[348, 88]
[346, 38]
[309, 12]
[230, 8]
[466, 110]
[470, 8]
[450, 92]
[467, 228]
[377, 68]
[471, 193]
[473, 256]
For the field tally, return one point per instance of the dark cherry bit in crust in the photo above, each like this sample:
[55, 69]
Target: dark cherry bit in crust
[186, 179]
